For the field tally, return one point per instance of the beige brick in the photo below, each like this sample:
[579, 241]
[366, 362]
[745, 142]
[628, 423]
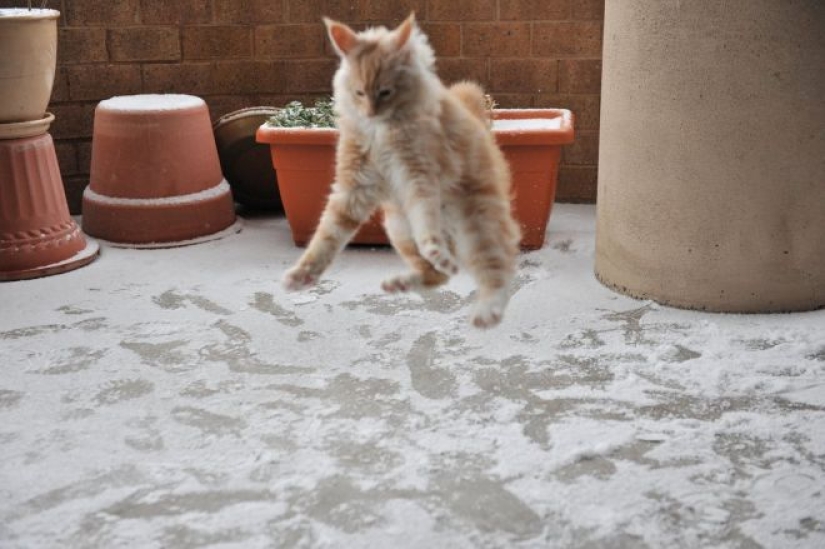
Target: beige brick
[461, 10]
[95, 82]
[250, 77]
[513, 100]
[249, 11]
[60, 89]
[166, 12]
[585, 108]
[577, 184]
[534, 10]
[584, 150]
[308, 76]
[81, 45]
[496, 39]
[84, 155]
[445, 38]
[290, 41]
[72, 120]
[190, 78]
[454, 69]
[311, 11]
[580, 76]
[398, 10]
[220, 105]
[524, 75]
[102, 12]
[567, 38]
[66, 154]
[588, 10]
[218, 42]
[145, 44]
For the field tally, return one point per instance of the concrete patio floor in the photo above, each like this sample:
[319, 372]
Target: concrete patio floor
[179, 398]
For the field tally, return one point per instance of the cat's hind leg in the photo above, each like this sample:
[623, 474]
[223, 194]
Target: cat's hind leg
[489, 250]
[422, 274]
[422, 210]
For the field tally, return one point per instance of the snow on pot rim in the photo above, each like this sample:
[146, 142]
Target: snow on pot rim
[533, 126]
[151, 102]
[511, 126]
[26, 13]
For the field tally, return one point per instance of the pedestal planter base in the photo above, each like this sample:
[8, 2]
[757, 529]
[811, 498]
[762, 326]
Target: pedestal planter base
[38, 237]
[85, 256]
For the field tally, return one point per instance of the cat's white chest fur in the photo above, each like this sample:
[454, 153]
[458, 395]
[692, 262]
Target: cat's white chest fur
[382, 157]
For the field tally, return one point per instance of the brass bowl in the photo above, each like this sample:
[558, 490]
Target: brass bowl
[246, 164]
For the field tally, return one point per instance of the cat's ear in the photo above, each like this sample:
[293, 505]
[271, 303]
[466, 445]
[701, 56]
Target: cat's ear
[404, 31]
[342, 37]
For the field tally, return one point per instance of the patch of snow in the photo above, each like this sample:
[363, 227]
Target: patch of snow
[151, 102]
[207, 194]
[26, 13]
[812, 396]
[527, 124]
[182, 395]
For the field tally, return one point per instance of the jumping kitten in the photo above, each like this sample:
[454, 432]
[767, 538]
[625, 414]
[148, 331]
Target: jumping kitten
[425, 155]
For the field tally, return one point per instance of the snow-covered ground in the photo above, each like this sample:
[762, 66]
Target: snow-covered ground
[179, 398]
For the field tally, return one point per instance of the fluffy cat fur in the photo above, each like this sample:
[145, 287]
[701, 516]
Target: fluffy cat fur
[424, 154]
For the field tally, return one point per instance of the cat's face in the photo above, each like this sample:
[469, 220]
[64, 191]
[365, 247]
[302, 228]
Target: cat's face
[378, 82]
[379, 76]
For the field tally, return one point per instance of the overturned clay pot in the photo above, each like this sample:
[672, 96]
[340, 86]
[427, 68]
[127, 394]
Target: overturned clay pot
[155, 177]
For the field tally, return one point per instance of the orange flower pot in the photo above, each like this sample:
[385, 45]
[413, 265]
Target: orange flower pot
[304, 160]
[155, 177]
[531, 140]
[38, 237]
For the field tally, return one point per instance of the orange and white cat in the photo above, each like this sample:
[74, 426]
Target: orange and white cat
[425, 155]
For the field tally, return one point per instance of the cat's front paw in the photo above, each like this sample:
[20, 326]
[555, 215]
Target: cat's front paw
[402, 283]
[434, 251]
[489, 311]
[298, 278]
[486, 317]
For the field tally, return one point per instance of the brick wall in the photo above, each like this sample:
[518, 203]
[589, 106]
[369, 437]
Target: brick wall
[239, 53]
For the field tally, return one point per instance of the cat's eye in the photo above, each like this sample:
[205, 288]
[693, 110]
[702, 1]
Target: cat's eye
[359, 93]
[384, 93]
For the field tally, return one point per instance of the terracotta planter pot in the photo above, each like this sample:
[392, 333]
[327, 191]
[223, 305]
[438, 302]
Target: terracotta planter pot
[155, 177]
[28, 42]
[37, 235]
[304, 160]
[531, 140]
[246, 163]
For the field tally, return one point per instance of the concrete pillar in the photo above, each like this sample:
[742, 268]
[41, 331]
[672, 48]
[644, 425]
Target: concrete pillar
[712, 153]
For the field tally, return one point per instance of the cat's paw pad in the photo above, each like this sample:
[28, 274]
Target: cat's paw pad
[401, 283]
[298, 278]
[437, 254]
[489, 311]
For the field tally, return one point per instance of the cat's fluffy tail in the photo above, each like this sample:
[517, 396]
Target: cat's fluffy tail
[472, 97]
